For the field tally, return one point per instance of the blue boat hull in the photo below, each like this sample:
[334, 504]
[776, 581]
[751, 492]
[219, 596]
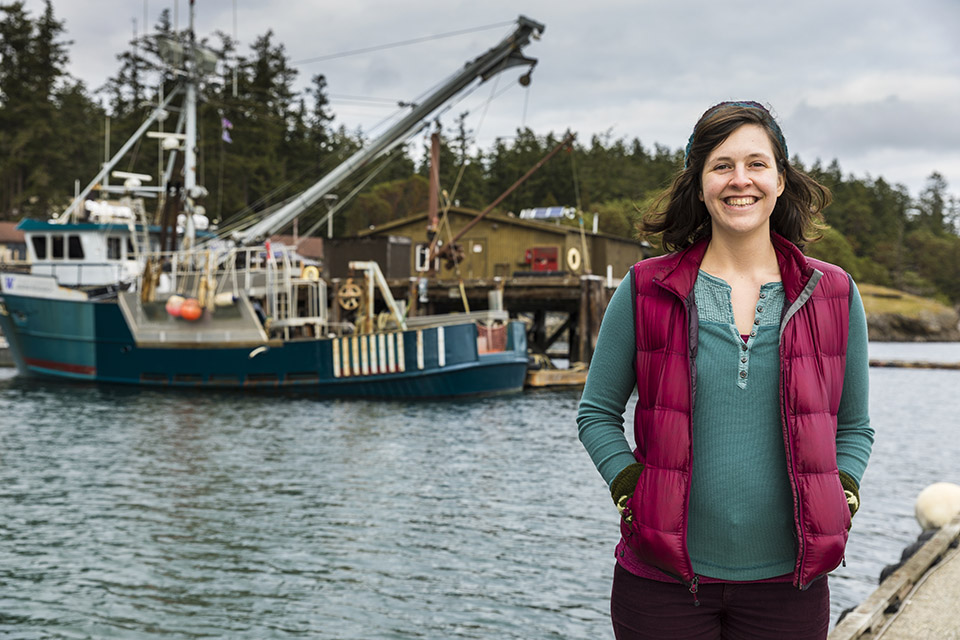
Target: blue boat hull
[86, 340]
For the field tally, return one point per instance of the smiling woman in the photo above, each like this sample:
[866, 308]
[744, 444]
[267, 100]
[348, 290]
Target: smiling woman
[751, 426]
[741, 183]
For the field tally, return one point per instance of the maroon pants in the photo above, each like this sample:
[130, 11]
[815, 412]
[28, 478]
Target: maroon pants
[643, 609]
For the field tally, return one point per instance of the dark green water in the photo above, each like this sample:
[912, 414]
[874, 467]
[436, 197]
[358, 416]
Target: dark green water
[133, 513]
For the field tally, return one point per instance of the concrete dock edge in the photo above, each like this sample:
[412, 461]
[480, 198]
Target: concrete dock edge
[883, 608]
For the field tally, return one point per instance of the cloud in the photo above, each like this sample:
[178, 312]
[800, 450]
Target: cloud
[870, 84]
[891, 124]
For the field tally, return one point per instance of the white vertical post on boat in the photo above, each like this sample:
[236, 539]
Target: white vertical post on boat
[336, 357]
[382, 352]
[401, 353]
[419, 349]
[374, 358]
[391, 353]
[345, 348]
[364, 358]
[355, 352]
[371, 287]
[441, 347]
[106, 150]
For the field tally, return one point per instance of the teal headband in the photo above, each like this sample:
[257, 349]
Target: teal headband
[767, 117]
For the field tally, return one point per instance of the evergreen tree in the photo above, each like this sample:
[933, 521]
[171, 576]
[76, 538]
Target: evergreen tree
[32, 70]
[932, 208]
[319, 134]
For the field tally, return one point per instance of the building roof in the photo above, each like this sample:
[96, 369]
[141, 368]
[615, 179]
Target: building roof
[548, 227]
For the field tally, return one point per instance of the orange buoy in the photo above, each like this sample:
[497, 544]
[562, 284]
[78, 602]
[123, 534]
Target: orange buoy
[174, 303]
[190, 310]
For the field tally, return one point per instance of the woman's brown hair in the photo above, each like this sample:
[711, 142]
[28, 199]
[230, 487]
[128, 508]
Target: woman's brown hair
[682, 218]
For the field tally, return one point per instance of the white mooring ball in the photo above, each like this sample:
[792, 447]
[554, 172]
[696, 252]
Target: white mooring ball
[937, 505]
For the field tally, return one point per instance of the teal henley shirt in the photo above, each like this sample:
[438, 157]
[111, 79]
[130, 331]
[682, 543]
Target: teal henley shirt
[740, 524]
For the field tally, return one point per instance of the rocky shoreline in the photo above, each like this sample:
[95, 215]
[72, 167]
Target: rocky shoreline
[926, 326]
[898, 316]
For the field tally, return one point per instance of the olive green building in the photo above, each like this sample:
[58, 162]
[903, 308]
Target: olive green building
[503, 245]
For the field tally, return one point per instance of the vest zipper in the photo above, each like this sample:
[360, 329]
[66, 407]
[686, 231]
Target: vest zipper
[788, 440]
[693, 586]
[792, 472]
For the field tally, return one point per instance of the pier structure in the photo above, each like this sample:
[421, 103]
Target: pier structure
[580, 299]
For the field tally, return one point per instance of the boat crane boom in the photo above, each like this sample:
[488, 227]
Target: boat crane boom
[506, 54]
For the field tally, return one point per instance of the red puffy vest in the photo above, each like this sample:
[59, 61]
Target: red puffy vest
[813, 345]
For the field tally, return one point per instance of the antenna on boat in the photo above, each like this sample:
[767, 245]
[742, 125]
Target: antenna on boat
[236, 67]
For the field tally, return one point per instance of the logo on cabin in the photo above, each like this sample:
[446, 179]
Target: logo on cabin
[8, 282]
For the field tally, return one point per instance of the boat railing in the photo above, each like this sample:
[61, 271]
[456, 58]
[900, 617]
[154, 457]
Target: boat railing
[486, 317]
[285, 292]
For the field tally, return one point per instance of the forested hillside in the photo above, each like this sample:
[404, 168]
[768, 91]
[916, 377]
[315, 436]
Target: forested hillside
[262, 141]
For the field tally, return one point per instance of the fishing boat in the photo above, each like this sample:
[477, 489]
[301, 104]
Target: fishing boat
[115, 297]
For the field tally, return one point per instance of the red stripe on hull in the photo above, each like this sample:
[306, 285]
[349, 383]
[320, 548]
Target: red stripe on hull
[62, 366]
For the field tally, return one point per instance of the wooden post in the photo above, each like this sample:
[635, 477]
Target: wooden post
[597, 306]
[539, 330]
[593, 302]
[584, 351]
[334, 302]
[413, 295]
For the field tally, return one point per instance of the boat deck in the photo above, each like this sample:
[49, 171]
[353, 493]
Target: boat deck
[151, 325]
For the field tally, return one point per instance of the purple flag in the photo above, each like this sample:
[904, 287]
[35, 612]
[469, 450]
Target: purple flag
[226, 126]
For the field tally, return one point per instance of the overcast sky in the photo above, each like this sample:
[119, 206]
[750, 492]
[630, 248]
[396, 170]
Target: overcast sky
[873, 84]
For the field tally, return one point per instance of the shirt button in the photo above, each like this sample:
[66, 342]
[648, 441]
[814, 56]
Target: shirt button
[756, 321]
[763, 295]
[743, 359]
[743, 374]
[753, 333]
[744, 346]
[759, 309]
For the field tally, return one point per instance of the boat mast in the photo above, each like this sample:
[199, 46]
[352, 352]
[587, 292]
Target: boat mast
[190, 143]
[504, 55]
[65, 217]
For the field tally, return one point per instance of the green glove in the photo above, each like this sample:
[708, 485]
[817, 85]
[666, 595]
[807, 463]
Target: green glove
[852, 491]
[623, 485]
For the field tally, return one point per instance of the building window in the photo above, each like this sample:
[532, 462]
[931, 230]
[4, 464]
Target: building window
[74, 248]
[421, 255]
[40, 246]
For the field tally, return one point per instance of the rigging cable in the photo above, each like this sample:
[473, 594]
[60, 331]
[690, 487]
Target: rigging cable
[401, 43]
[386, 160]
[576, 192]
[429, 90]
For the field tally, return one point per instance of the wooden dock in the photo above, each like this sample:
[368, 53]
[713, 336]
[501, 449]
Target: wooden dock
[556, 377]
[919, 600]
